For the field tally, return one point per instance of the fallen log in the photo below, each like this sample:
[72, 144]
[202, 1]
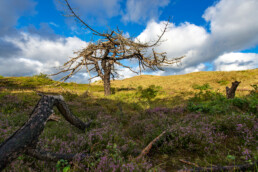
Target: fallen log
[25, 139]
[231, 91]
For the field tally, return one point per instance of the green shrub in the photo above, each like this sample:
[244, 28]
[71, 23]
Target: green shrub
[252, 100]
[1, 77]
[41, 76]
[203, 87]
[207, 101]
[255, 89]
[240, 103]
[210, 107]
[148, 93]
[204, 92]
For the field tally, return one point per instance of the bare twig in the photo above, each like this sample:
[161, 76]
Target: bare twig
[188, 162]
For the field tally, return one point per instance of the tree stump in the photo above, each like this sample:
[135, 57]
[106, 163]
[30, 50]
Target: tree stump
[231, 91]
[25, 139]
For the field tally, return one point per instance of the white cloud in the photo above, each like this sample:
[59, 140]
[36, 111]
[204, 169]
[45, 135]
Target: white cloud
[20, 67]
[233, 27]
[233, 24]
[37, 54]
[185, 39]
[236, 61]
[125, 72]
[142, 10]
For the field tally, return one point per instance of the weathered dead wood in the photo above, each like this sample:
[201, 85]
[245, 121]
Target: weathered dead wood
[53, 117]
[147, 149]
[231, 91]
[25, 139]
[104, 57]
[65, 111]
[242, 167]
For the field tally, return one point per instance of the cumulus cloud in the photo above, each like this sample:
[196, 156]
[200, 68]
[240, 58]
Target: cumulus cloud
[233, 24]
[37, 54]
[185, 39]
[236, 61]
[143, 10]
[11, 10]
[233, 27]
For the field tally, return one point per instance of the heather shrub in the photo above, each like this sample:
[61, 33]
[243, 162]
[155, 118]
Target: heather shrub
[10, 104]
[194, 135]
[111, 159]
[207, 129]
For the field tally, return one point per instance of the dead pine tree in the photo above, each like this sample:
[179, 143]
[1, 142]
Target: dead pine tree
[103, 57]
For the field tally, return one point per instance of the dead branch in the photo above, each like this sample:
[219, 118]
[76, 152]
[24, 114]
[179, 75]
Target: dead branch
[53, 117]
[73, 14]
[188, 162]
[242, 167]
[147, 149]
[25, 139]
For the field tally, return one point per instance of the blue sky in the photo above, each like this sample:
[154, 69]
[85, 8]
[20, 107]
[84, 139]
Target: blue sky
[219, 35]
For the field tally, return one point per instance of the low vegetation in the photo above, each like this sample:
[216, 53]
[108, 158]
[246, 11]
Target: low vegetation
[204, 127]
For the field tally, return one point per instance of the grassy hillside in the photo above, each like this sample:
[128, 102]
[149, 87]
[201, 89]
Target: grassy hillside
[204, 127]
[217, 80]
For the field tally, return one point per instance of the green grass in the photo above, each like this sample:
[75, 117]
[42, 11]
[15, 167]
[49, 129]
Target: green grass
[204, 126]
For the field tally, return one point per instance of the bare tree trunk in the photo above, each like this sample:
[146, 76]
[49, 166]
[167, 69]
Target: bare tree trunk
[25, 139]
[231, 91]
[107, 84]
